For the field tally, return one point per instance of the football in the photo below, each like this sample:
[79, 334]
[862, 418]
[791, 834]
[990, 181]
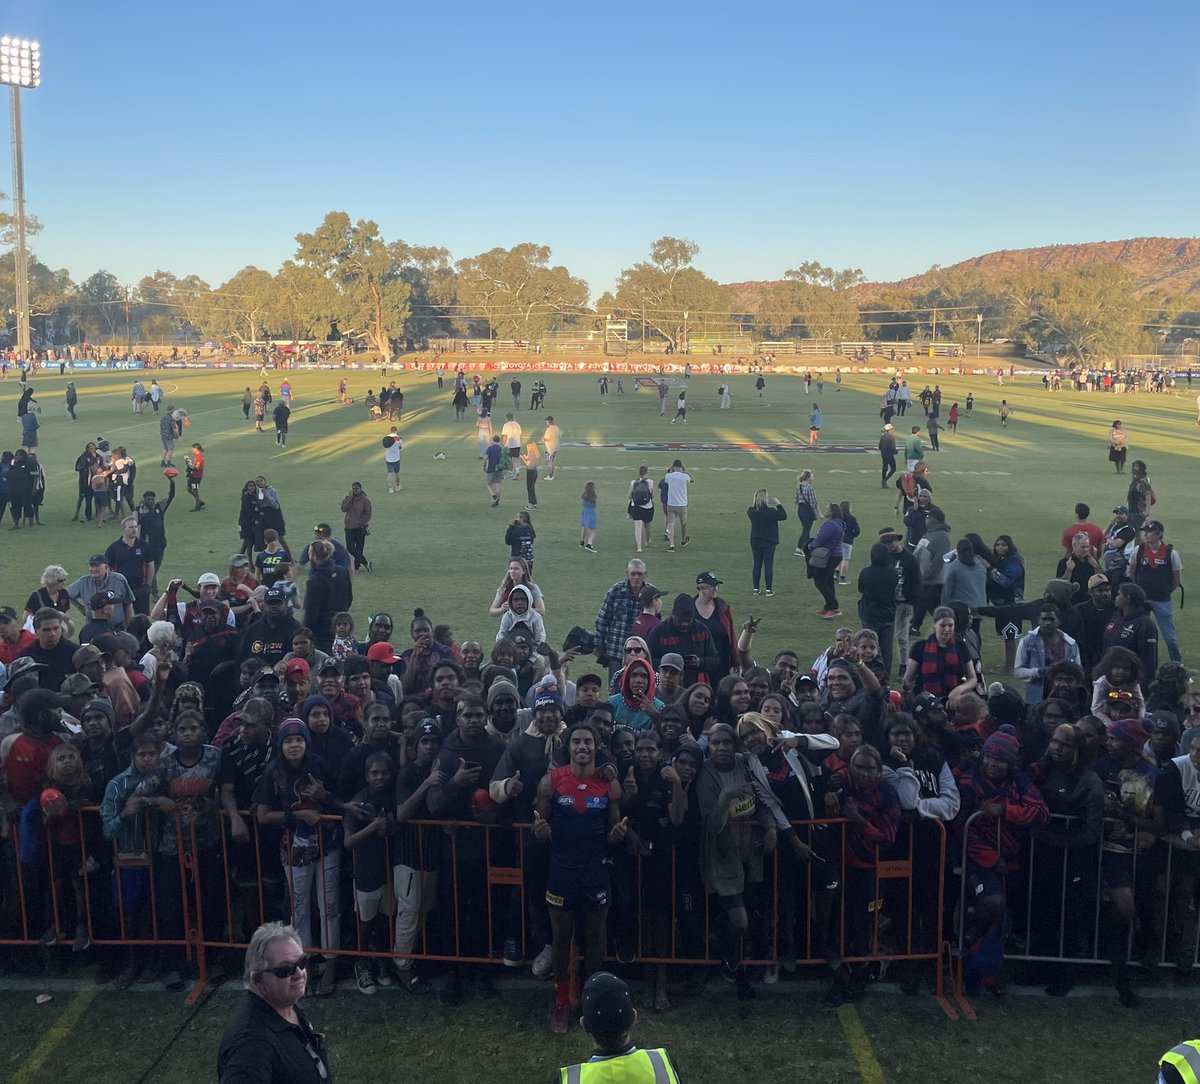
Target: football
[170, 472]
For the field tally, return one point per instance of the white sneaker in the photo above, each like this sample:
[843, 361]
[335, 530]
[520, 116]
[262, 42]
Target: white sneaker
[541, 963]
[391, 490]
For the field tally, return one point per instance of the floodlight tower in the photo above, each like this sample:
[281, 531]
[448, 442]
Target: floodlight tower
[20, 67]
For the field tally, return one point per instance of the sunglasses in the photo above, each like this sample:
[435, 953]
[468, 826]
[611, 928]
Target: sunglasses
[633, 649]
[286, 971]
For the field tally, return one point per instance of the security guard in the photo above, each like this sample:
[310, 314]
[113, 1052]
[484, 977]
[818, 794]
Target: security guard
[608, 1017]
[1179, 1065]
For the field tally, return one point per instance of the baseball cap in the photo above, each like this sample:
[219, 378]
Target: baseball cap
[607, 1006]
[77, 685]
[520, 632]
[274, 594]
[648, 594]
[294, 667]
[673, 660]
[239, 559]
[84, 655]
[210, 604]
[20, 666]
[382, 653]
[709, 579]
[889, 534]
[209, 579]
[1153, 525]
[1163, 722]
[1097, 580]
[106, 643]
[806, 679]
[330, 665]
[429, 727]
[925, 702]
[97, 559]
[889, 427]
[266, 673]
[7, 613]
[101, 599]
[1121, 509]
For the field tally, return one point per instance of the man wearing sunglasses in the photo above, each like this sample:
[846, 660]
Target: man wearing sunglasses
[269, 1037]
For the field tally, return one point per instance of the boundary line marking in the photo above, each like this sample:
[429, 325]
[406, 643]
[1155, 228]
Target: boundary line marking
[860, 1046]
[55, 1034]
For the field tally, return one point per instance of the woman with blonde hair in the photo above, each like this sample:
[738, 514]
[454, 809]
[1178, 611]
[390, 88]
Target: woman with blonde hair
[532, 459]
[808, 509]
[765, 516]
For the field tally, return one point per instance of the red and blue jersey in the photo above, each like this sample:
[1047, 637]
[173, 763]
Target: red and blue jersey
[579, 816]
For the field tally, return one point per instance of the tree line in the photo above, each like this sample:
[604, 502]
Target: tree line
[345, 280]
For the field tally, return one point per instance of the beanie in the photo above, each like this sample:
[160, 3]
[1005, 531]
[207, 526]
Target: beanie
[1004, 744]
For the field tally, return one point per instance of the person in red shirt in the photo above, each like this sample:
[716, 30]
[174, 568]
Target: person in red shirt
[195, 474]
[27, 756]
[1094, 533]
[13, 638]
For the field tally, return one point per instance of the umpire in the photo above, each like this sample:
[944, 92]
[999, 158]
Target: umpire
[608, 1017]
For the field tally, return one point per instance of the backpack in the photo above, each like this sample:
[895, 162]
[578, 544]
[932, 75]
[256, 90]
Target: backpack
[908, 485]
[642, 494]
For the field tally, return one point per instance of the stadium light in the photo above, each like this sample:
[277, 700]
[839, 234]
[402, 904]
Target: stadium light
[20, 67]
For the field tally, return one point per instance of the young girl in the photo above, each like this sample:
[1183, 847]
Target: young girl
[952, 421]
[681, 407]
[866, 643]
[345, 646]
[587, 518]
[519, 537]
[67, 787]
[1116, 677]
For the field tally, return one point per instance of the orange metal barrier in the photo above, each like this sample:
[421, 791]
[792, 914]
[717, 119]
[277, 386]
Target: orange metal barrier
[479, 885]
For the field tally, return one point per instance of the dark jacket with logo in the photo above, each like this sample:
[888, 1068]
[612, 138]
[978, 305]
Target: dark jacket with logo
[260, 1047]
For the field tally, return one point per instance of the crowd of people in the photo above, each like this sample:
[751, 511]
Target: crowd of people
[655, 793]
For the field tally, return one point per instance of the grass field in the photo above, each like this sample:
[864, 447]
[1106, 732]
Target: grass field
[439, 545]
[783, 1036]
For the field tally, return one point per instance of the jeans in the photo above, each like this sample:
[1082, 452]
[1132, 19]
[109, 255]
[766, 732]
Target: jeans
[807, 517]
[323, 877]
[904, 613]
[888, 468]
[764, 562]
[356, 539]
[1165, 617]
[531, 477]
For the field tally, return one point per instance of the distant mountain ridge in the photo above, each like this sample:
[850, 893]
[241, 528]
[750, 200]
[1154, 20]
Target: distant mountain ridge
[1167, 264]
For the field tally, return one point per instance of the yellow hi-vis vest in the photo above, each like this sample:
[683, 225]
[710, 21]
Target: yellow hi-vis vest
[1185, 1060]
[636, 1067]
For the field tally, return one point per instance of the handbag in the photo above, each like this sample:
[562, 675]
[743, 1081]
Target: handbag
[818, 557]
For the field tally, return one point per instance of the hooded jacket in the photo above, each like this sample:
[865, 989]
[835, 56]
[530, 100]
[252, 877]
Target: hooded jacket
[327, 592]
[877, 584]
[531, 619]
[636, 717]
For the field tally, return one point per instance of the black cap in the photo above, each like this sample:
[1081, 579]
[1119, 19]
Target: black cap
[266, 673]
[274, 594]
[648, 594]
[429, 727]
[607, 1006]
[7, 613]
[101, 599]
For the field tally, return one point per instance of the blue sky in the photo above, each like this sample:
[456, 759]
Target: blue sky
[201, 138]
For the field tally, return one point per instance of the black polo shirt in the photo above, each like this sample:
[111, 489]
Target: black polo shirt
[260, 1046]
[129, 561]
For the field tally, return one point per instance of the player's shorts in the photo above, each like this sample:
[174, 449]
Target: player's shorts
[572, 888]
